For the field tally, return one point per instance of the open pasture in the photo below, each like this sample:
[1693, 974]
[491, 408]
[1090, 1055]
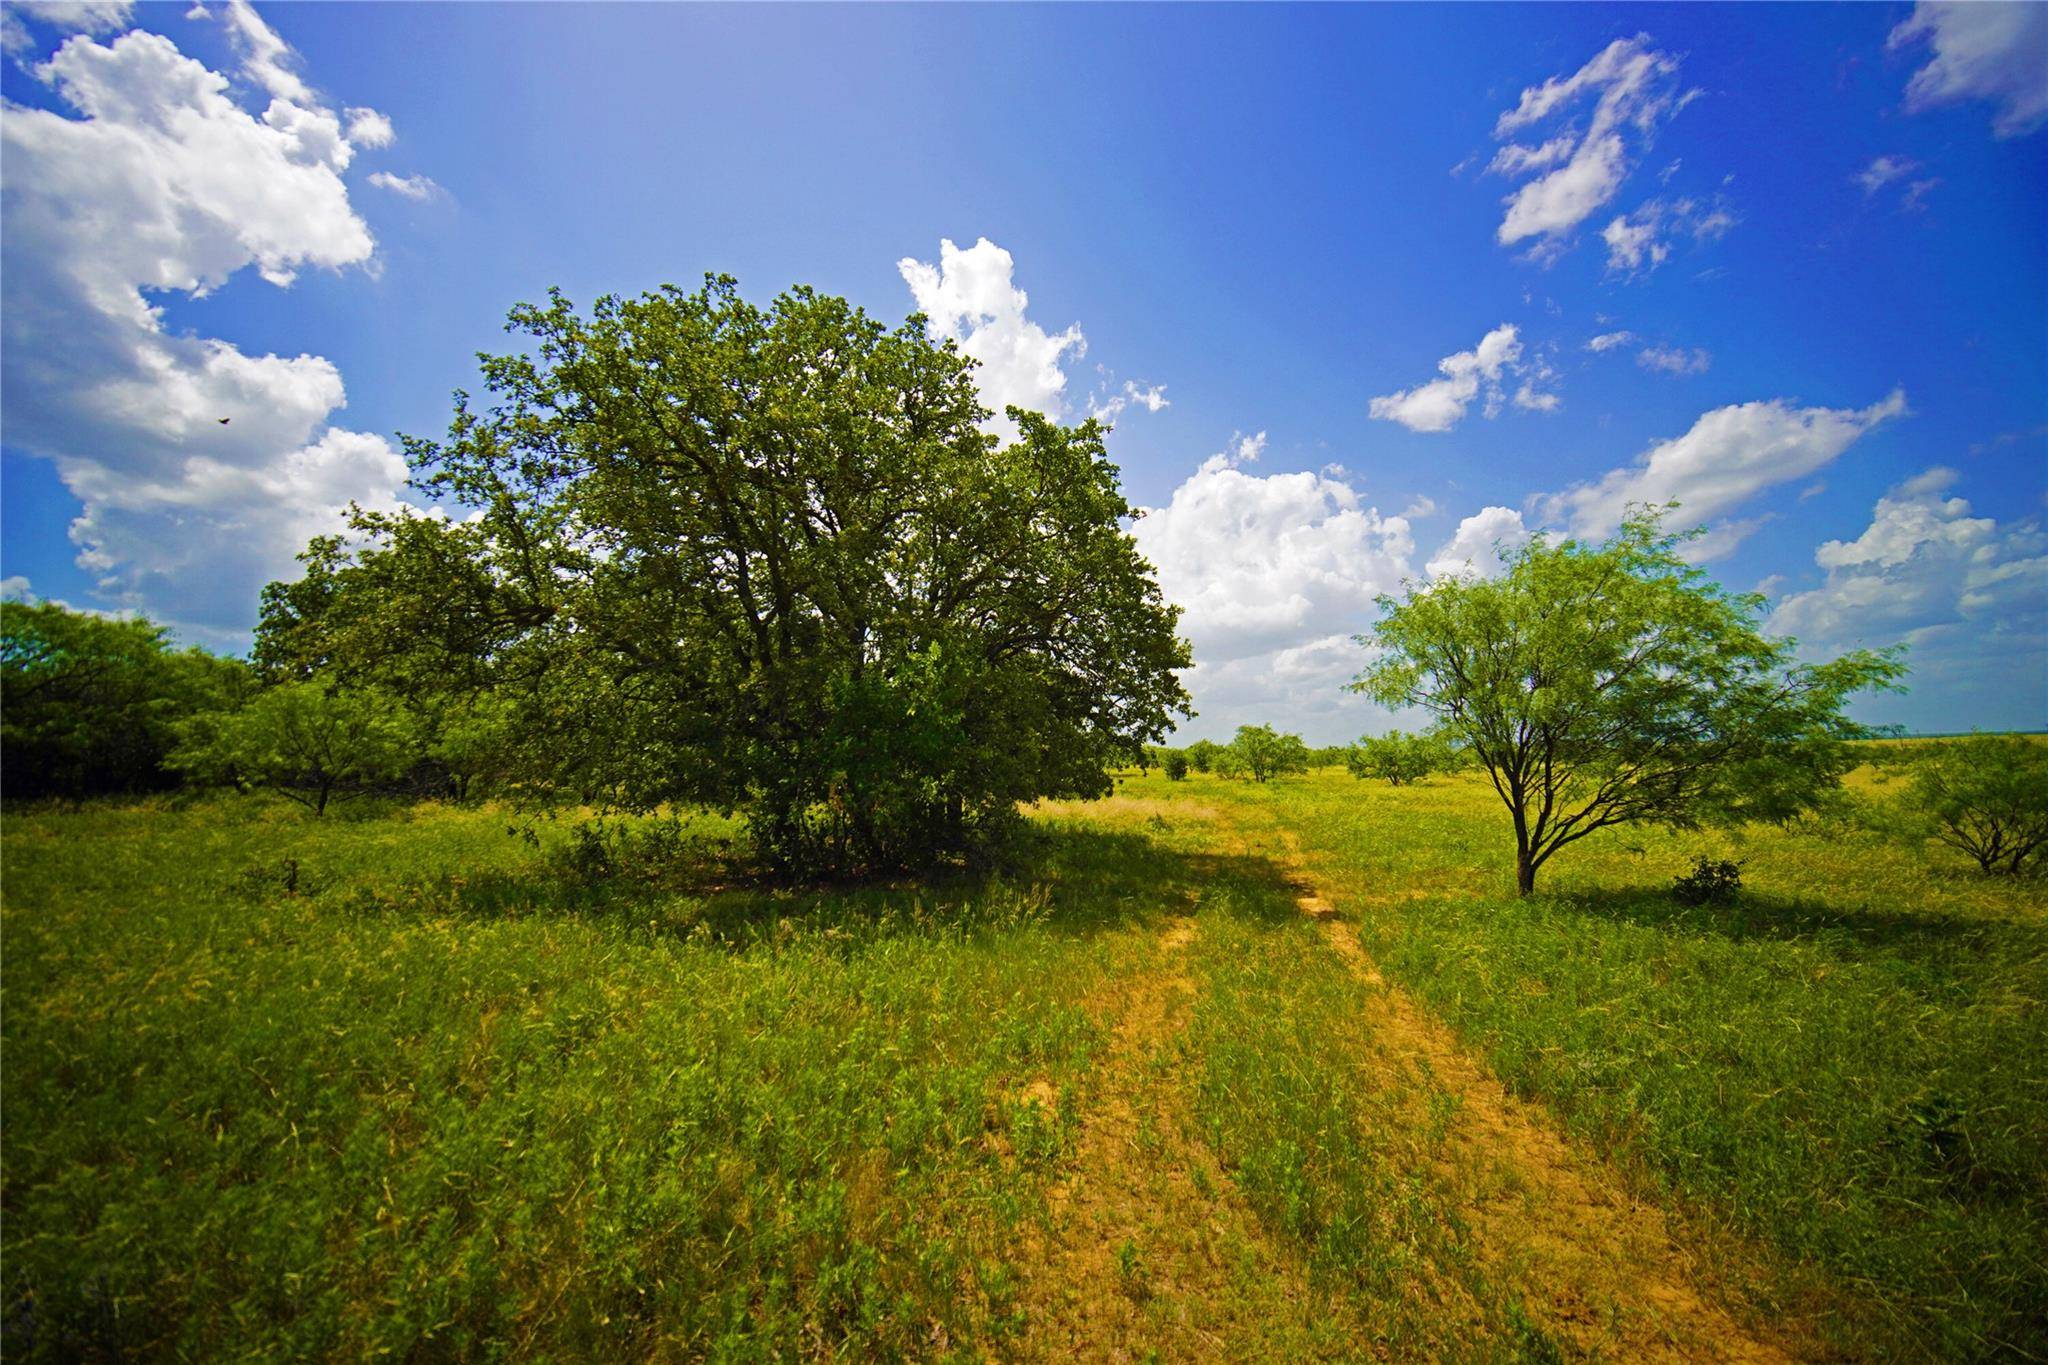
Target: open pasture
[396, 1082]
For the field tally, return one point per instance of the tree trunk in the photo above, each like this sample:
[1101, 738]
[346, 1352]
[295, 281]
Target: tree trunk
[1525, 859]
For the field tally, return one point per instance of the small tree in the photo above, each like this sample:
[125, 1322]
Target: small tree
[1176, 766]
[1987, 796]
[474, 743]
[304, 741]
[1609, 684]
[1399, 757]
[1262, 753]
[1201, 754]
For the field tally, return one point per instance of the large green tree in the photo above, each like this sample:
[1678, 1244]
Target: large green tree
[767, 559]
[1605, 684]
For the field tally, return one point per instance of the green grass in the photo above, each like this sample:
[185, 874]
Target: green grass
[452, 1102]
[446, 1097]
[1332, 1156]
[1850, 1062]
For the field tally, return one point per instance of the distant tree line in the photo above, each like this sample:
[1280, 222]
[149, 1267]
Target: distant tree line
[91, 705]
[1258, 753]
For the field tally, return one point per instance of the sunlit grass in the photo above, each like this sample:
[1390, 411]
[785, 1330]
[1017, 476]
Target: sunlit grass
[378, 1116]
[403, 1081]
[1848, 1061]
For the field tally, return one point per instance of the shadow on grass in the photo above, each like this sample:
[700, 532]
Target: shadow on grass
[1063, 880]
[1754, 916]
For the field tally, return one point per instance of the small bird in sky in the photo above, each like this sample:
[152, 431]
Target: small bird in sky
[223, 421]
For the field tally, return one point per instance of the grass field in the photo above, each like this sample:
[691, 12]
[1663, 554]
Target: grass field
[400, 1084]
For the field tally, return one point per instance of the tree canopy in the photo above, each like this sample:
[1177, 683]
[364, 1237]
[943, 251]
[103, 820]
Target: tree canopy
[1262, 753]
[1399, 757]
[1987, 796]
[91, 702]
[1605, 684]
[765, 559]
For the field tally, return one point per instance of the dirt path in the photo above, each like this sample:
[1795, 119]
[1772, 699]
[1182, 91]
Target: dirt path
[1599, 1271]
[1151, 1253]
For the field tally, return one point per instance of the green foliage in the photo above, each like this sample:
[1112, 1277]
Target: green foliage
[1202, 754]
[1398, 757]
[1615, 684]
[305, 740]
[1987, 796]
[1261, 753]
[1712, 881]
[767, 560]
[474, 741]
[90, 705]
[1176, 766]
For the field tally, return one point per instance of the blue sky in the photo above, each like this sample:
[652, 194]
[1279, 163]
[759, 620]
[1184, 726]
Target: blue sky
[1786, 264]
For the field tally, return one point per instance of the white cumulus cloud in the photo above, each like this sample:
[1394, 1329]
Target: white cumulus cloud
[64, 16]
[1441, 403]
[1275, 573]
[1994, 50]
[1968, 596]
[163, 183]
[1639, 241]
[1479, 544]
[1109, 402]
[1729, 455]
[368, 128]
[409, 186]
[970, 297]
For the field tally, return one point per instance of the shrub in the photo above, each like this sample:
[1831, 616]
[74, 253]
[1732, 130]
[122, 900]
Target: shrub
[1987, 796]
[1711, 882]
[1202, 754]
[1176, 766]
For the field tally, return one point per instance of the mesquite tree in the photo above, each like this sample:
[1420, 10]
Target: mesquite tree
[1599, 685]
[1987, 796]
[1263, 753]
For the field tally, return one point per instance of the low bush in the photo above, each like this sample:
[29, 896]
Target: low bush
[1711, 882]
